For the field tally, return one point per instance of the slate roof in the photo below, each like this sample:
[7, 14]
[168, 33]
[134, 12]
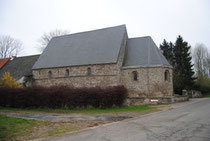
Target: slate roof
[143, 52]
[100, 47]
[3, 62]
[92, 47]
[20, 66]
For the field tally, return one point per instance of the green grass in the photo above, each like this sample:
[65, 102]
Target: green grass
[83, 110]
[60, 130]
[11, 127]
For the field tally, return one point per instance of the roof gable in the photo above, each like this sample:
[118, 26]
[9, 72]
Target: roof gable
[143, 52]
[93, 47]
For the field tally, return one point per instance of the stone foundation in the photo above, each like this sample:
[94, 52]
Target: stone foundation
[148, 101]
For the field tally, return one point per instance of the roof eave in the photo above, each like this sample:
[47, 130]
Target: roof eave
[146, 66]
[76, 66]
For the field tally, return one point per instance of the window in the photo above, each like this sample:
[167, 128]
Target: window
[166, 75]
[50, 74]
[67, 72]
[135, 75]
[89, 71]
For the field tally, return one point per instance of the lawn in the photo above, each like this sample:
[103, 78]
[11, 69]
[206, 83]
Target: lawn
[81, 110]
[11, 128]
[18, 129]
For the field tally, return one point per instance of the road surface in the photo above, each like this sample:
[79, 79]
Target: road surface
[189, 121]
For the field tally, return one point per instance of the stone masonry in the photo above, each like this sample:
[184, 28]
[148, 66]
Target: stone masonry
[151, 85]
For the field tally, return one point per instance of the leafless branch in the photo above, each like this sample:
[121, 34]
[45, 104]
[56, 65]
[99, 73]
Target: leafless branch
[46, 37]
[201, 59]
[9, 46]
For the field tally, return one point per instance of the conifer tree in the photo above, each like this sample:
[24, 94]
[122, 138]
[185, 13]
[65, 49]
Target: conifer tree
[179, 57]
[167, 49]
[183, 68]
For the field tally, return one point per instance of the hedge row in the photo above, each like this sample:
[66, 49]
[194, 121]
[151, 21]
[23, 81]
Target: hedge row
[62, 96]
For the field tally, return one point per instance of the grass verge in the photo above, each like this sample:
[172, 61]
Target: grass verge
[19, 129]
[81, 110]
[61, 129]
[11, 127]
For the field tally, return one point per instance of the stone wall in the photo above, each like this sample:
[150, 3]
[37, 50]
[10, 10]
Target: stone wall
[101, 75]
[180, 98]
[156, 88]
[121, 56]
[149, 85]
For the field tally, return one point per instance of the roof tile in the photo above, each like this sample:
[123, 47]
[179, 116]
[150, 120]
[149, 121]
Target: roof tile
[3, 62]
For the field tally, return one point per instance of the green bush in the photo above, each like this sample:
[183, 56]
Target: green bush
[203, 85]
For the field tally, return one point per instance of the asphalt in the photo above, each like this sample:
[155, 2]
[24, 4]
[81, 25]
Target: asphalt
[189, 121]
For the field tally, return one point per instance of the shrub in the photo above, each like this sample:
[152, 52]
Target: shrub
[8, 81]
[202, 84]
[62, 96]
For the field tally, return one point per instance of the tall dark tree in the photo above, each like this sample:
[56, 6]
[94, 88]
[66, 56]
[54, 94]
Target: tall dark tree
[183, 68]
[167, 49]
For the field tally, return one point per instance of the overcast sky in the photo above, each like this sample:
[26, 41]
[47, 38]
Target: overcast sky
[27, 20]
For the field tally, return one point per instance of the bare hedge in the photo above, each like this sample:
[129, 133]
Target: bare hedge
[62, 97]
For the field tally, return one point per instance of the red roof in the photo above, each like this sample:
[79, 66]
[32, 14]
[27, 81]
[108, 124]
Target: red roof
[3, 62]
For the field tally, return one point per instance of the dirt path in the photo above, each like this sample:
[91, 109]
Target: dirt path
[68, 117]
[59, 117]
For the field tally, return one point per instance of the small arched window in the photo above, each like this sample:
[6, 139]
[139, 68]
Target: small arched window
[50, 74]
[135, 75]
[89, 71]
[67, 72]
[166, 75]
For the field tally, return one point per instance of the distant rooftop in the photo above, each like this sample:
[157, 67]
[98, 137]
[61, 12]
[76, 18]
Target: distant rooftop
[20, 66]
[3, 62]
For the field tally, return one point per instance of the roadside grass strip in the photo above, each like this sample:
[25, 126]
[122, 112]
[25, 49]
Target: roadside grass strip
[80, 110]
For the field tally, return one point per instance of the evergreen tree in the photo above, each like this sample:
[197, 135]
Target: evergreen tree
[183, 71]
[167, 49]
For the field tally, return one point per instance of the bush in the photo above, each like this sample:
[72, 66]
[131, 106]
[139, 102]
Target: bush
[202, 84]
[202, 88]
[62, 97]
[8, 81]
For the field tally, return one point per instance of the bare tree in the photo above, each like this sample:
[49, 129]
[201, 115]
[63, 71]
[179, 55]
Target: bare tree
[46, 37]
[201, 60]
[9, 46]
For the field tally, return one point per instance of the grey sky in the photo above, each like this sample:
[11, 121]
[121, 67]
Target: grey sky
[27, 20]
